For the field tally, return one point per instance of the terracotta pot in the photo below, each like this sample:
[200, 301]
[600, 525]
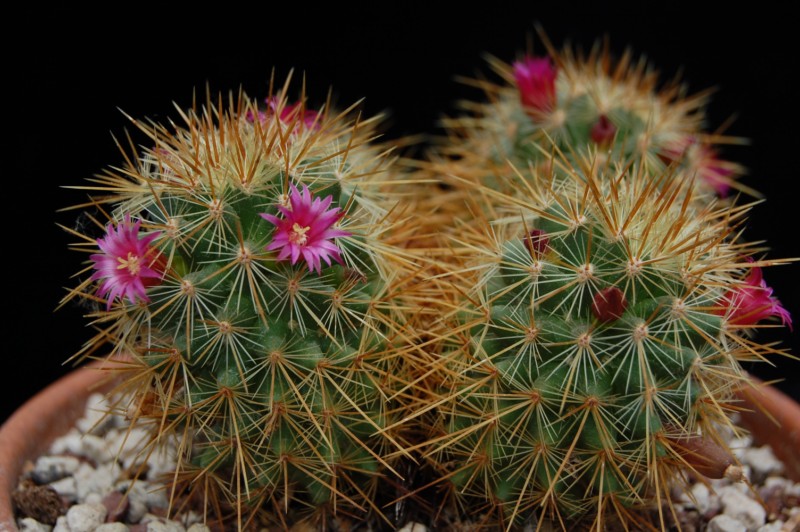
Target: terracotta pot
[49, 414]
[774, 418]
[29, 432]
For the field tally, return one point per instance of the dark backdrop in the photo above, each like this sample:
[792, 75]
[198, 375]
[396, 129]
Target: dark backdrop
[71, 72]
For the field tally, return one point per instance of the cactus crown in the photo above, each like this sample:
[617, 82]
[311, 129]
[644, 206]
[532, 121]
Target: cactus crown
[588, 106]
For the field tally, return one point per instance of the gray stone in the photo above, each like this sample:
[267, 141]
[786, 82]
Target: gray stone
[93, 498]
[112, 527]
[99, 481]
[67, 487]
[775, 526]
[69, 443]
[29, 524]
[742, 508]
[162, 461]
[414, 527]
[95, 419]
[198, 527]
[159, 525]
[61, 525]
[137, 498]
[725, 523]
[739, 445]
[85, 517]
[96, 448]
[128, 444]
[704, 500]
[156, 497]
[51, 468]
[136, 510]
[762, 462]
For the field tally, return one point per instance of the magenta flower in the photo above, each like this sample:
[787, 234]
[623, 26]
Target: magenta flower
[307, 117]
[128, 264]
[536, 80]
[704, 160]
[306, 230]
[749, 304]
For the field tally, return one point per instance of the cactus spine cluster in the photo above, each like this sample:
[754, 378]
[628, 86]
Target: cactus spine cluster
[250, 276]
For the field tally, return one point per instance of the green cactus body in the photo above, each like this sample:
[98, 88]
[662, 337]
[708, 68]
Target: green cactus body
[594, 338]
[279, 368]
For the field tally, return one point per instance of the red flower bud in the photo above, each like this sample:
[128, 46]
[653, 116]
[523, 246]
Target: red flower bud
[609, 304]
[536, 243]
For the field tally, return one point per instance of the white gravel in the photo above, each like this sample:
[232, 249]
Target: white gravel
[87, 468]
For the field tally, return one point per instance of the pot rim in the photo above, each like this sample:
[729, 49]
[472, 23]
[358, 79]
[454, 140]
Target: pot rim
[31, 429]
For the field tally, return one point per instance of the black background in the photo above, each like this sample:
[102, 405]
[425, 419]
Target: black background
[71, 72]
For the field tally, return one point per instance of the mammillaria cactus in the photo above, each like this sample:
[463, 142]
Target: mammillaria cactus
[251, 275]
[602, 297]
[599, 320]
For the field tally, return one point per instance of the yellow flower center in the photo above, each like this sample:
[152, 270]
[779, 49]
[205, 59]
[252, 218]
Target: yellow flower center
[298, 235]
[131, 263]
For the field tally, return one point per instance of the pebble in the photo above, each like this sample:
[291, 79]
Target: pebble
[51, 468]
[742, 508]
[61, 525]
[86, 467]
[96, 449]
[128, 444]
[775, 526]
[156, 524]
[112, 527]
[414, 527]
[66, 487]
[29, 524]
[116, 504]
[725, 523]
[85, 517]
[762, 462]
[705, 501]
[95, 420]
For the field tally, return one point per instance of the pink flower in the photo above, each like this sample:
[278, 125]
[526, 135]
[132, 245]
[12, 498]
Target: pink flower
[536, 80]
[306, 229]
[701, 158]
[749, 304]
[128, 264]
[308, 117]
[288, 114]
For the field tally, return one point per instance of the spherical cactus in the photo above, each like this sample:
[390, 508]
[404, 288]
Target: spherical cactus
[585, 107]
[250, 276]
[595, 351]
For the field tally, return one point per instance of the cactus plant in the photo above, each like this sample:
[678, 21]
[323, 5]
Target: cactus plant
[586, 106]
[593, 344]
[251, 274]
[602, 296]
